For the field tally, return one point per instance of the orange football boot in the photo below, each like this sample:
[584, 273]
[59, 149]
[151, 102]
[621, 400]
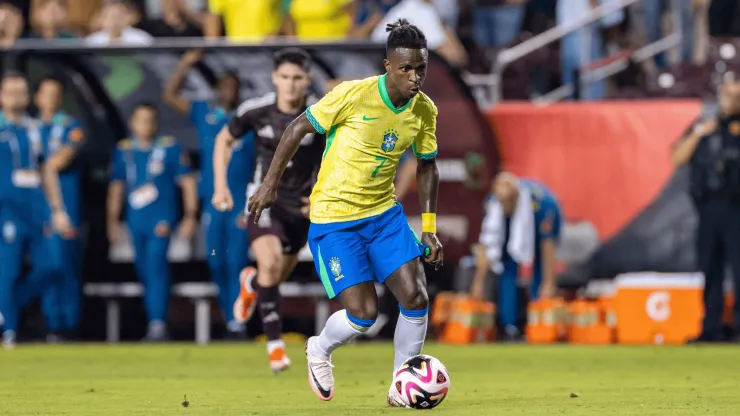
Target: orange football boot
[279, 360]
[247, 300]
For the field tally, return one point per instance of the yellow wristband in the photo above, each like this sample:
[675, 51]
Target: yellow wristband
[429, 222]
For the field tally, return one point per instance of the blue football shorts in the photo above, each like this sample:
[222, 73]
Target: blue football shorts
[366, 250]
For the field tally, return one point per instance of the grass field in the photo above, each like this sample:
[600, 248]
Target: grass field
[233, 379]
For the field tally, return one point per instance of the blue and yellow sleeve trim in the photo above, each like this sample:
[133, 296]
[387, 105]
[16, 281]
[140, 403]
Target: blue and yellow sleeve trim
[314, 123]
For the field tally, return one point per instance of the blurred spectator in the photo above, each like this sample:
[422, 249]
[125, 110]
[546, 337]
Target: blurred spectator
[251, 20]
[652, 14]
[79, 15]
[449, 11]
[701, 30]
[584, 45]
[539, 15]
[21, 6]
[497, 22]
[421, 13]
[176, 19]
[373, 11]
[49, 20]
[147, 171]
[193, 9]
[115, 21]
[11, 25]
[724, 18]
[325, 20]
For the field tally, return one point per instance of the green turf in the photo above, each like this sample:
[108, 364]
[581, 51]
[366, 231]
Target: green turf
[233, 379]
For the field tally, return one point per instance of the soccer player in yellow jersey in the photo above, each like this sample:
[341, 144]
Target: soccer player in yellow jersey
[358, 233]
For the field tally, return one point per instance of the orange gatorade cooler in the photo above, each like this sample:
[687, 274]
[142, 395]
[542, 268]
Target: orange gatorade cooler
[542, 321]
[579, 321]
[609, 317]
[463, 322]
[533, 329]
[727, 317]
[599, 332]
[655, 308]
[441, 308]
[548, 318]
[561, 319]
[486, 330]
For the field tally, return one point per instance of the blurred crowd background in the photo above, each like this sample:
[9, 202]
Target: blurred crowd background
[467, 33]
[533, 87]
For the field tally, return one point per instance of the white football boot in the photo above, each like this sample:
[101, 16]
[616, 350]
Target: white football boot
[394, 398]
[320, 375]
[8, 340]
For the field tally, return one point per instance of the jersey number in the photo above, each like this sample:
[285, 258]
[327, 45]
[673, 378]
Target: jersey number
[377, 168]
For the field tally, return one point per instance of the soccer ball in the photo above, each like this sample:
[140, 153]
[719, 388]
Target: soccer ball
[422, 382]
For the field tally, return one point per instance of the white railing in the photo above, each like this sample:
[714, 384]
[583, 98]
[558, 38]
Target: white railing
[61, 46]
[612, 68]
[488, 87]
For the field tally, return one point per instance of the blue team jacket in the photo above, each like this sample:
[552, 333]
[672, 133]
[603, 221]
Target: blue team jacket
[65, 131]
[209, 119]
[21, 150]
[151, 174]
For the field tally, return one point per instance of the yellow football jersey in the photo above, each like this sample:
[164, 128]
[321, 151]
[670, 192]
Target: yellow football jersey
[366, 136]
[248, 20]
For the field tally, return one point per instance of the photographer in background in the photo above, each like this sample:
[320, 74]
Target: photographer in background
[712, 152]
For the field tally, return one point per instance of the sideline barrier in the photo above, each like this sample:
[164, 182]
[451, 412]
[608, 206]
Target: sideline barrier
[604, 161]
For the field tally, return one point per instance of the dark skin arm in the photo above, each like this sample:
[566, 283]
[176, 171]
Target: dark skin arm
[684, 150]
[172, 95]
[212, 26]
[266, 194]
[427, 178]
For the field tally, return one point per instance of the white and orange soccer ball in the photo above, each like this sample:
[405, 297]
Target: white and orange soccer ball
[422, 382]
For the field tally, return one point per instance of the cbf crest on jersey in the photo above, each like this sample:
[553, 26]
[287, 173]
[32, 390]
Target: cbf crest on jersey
[389, 141]
[336, 268]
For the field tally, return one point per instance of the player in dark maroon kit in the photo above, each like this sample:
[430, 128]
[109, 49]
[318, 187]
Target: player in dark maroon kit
[283, 231]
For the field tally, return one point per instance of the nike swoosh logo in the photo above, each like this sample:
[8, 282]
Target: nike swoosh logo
[366, 118]
[323, 392]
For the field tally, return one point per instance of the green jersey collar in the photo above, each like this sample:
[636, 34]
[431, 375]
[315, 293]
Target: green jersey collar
[387, 100]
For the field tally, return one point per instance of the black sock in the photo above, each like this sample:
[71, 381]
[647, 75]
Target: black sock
[270, 305]
[254, 285]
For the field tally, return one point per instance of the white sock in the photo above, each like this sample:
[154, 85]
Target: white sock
[157, 327]
[408, 340]
[272, 345]
[340, 329]
[233, 326]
